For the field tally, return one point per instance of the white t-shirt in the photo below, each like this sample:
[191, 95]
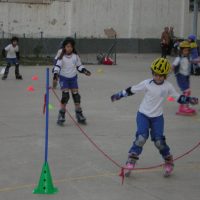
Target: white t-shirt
[183, 62]
[11, 51]
[68, 66]
[155, 95]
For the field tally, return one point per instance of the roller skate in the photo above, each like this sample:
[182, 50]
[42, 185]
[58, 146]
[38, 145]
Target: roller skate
[18, 76]
[4, 77]
[61, 117]
[186, 110]
[168, 166]
[130, 164]
[80, 117]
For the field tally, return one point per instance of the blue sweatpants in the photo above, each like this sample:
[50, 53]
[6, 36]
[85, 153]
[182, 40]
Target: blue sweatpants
[150, 126]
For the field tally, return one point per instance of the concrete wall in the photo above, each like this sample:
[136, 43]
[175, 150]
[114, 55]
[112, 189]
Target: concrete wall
[89, 18]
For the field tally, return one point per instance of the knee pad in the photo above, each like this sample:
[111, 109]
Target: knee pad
[76, 98]
[160, 144]
[140, 141]
[65, 97]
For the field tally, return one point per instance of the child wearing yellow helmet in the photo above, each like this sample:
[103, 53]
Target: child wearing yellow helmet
[181, 67]
[150, 120]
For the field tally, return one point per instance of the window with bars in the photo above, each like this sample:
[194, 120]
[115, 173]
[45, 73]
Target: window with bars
[191, 5]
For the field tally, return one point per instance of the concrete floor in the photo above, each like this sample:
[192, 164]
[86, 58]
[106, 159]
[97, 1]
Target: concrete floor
[78, 169]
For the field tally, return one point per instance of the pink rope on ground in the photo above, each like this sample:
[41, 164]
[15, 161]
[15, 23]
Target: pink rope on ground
[109, 157]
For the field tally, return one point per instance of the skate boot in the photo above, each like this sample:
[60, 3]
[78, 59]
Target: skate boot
[18, 76]
[168, 166]
[79, 116]
[192, 110]
[61, 117]
[130, 164]
[186, 110]
[6, 72]
[4, 77]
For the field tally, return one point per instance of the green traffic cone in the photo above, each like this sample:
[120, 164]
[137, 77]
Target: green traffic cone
[45, 185]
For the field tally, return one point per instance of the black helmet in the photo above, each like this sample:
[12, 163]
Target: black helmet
[15, 39]
[67, 41]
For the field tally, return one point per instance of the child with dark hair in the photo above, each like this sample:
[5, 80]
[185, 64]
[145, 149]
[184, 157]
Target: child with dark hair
[11, 52]
[66, 68]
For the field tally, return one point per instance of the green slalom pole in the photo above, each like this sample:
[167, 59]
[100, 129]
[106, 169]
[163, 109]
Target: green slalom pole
[45, 185]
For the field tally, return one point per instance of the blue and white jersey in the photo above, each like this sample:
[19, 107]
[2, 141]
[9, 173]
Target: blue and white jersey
[11, 51]
[155, 96]
[68, 66]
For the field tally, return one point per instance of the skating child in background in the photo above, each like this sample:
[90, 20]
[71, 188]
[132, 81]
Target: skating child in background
[150, 115]
[66, 67]
[194, 55]
[11, 52]
[181, 67]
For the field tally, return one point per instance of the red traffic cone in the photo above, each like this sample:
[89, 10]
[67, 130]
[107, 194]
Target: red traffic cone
[30, 88]
[35, 78]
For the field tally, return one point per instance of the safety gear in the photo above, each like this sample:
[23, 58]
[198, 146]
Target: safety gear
[55, 76]
[184, 44]
[17, 74]
[61, 117]
[80, 117]
[76, 97]
[86, 72]
[140, 141]
[185, 100]
[119, 95]
[130, 164]
[192, 37]
[3, 53]
[168, 166]
[184, 109]
[6, 72]
[162, 146]
[65, 97]
[161, 66]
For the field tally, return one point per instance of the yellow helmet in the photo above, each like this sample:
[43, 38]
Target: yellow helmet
[184, 44]
[161, 66]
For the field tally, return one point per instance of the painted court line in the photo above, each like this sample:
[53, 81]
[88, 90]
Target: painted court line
[20, 187]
